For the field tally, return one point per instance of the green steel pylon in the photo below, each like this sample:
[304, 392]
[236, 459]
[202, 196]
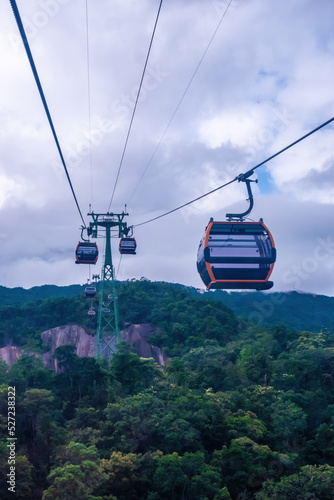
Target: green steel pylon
[107, 334]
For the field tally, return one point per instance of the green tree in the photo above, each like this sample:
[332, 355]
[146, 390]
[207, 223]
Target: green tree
[176, 371]
[80, 379]
[255, 361]
[288, 420]
[244, 423]
[191, 421]
[211, 366]
[132, 423]
[69, 482]
[3, 372]
[29, 372]
[258, 399]
[23, 477]
[37, 428]
[324, 444]
[187, 477]
[310, 482]
[133, 373]
[77, 476]
[127, 475]
[245, 465]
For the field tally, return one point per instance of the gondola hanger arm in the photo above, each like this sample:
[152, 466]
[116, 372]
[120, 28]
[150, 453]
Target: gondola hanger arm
[244, 178]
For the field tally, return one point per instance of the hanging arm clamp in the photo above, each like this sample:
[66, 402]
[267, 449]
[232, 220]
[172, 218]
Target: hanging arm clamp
[89, 233]
[244, 178]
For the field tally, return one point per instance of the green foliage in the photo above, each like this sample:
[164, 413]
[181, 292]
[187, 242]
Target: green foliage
[78, 475]
[293, 310]
[17, 296]
[324, 441]
[36, 426]
[132, 422]
[183, 322]
[187, 477]
[29, 372]
[79, 378]
[288, 420]
[176, 371]
[239, 411]
[311, 482]
[211, 366]
[23, 478]
[244, 423]
[25, 323]
[246, 464]
[127, 475]
[134, 374]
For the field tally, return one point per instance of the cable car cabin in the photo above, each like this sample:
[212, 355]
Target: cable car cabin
[91, 312]
[90, 292]
[236, 255]
[127, 246]
[86, 253]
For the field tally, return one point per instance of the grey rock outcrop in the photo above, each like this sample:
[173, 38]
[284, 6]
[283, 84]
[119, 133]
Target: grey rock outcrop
[84, 343]
[136, 335]
[67, 335]
[10, 354]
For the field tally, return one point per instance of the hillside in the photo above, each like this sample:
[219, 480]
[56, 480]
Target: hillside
[240, 410]
[296, 310]
[19, 295]
[168, 307]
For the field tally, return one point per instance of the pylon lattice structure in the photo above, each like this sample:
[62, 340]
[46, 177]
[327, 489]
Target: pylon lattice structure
[107, 334]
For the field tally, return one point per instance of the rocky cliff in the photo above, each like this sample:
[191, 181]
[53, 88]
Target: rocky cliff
[136, 336]
[67, 335]
[10, 354]
[75, 335]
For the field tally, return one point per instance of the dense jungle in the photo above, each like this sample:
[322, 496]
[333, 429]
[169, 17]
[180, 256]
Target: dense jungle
[243, 409]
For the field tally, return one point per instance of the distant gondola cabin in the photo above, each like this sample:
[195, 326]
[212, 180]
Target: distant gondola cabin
[90, 292]
[91, 312]
[86, 253]
[236, 255]
[127, 246]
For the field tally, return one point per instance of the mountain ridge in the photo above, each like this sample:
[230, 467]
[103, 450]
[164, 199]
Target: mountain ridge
[297, 310]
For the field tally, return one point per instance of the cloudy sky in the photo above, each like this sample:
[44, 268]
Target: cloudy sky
[265, 80]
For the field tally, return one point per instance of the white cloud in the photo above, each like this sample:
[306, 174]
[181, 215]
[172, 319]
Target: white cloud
[265, 81]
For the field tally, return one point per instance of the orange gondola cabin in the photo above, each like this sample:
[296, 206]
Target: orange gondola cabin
[236, 255]
[86, 253]
[127, 246]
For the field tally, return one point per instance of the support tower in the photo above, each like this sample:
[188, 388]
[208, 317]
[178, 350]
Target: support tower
[107, 334]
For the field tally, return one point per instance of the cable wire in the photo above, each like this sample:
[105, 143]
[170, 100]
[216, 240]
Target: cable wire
[89, 105]
[118, 268]
[292, 144]
[181, 100]
[39, 86]
[186, 204]
[238, 177]
[135, 106]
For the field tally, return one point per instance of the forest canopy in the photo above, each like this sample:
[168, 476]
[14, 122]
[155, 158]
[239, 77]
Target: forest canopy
[241, 410]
